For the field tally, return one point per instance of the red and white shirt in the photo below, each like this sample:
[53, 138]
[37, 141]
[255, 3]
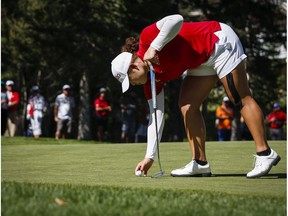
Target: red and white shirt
[13, 97]
[181, 46]
[191, 47]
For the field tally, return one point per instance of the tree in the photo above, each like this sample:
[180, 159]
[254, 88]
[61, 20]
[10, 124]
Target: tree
[50, 43]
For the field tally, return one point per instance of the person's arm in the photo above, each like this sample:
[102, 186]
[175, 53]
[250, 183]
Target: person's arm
[151, 150]
[28, 108]
[169, 27]
[219, 114]
[270, 118]
[98, 108]
[15, 101]
[56, 113]
[56, 107]
[151, 132]
[4, 99]
[228, 111]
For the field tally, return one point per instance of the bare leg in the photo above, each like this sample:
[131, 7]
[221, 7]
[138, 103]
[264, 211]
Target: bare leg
[193, 92]
[251, 112]
[57, 134]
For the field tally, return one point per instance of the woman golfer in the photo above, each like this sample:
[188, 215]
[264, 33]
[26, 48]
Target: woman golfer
[206, 52]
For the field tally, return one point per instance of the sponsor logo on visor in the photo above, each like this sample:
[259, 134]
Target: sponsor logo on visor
[120, 77]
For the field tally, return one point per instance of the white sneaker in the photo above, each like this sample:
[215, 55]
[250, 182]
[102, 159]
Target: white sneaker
[263, 164]
[192, 169]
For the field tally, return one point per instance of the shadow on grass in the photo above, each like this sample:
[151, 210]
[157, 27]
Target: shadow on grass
[269, 176]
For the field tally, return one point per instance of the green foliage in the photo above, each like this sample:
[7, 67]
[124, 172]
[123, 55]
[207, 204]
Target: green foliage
[50, 43]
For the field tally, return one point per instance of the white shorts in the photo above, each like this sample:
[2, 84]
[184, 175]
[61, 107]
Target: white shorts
[228, 53]
[36, 122]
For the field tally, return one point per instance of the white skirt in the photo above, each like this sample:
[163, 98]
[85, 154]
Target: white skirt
[228, 53]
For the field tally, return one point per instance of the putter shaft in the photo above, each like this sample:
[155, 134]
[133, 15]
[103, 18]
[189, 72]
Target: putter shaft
[154, 105]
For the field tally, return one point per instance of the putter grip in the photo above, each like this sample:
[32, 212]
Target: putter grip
[153, 89]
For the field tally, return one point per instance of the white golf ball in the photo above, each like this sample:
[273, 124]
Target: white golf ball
[138, 173]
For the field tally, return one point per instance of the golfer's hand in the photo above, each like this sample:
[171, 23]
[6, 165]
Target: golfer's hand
[151, 57]
[144, 165]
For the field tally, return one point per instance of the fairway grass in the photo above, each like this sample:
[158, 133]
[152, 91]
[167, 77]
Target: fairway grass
[98, 179]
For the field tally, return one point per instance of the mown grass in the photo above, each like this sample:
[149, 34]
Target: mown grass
[98, 179]
[39, 199]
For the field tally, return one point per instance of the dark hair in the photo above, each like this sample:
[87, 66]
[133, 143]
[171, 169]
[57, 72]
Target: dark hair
[131, 45]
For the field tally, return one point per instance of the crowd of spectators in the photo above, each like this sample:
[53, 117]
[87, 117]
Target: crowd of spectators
[63, 111]
[9, 106]
[224, 120]
[130, 118]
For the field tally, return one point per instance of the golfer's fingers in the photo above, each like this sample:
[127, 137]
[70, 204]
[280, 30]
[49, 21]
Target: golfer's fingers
[148, 56]
[144, 169]
[150, 65]
[138, 167]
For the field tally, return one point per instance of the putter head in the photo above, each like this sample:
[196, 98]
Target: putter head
[157, 175]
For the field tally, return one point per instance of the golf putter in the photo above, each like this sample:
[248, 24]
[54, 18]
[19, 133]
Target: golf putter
[154, 105]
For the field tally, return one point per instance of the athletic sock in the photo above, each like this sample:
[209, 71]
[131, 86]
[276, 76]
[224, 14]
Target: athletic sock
[264, 153]
[200, 162]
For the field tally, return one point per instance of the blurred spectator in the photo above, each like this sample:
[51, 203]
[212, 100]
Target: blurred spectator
[4, 108]
[128, 111]
[276, 119]
[224, 116]
[143, 119]
[35, 109]
[102, 109]
[63, 113]
[13, 102]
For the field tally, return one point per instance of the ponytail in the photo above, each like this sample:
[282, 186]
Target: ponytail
[131, 45]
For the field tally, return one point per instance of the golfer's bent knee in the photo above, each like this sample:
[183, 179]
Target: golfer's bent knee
[184, 108]
[188, 108]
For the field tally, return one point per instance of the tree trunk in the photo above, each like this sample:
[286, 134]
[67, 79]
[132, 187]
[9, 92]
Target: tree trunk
[84, 111]
[22, 90]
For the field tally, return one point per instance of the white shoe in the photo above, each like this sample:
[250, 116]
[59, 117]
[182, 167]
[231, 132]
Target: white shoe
[192, 169]
[263, 164]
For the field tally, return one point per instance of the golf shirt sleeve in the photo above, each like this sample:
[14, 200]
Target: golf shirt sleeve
[151, 132]
[169, 27]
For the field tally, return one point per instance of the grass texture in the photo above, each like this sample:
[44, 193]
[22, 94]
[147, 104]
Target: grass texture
[69, 177]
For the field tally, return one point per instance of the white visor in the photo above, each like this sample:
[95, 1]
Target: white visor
[119, 67]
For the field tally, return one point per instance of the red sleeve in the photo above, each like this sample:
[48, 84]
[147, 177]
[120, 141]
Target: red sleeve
[96, 102]
[15, 97]
[270, 116]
